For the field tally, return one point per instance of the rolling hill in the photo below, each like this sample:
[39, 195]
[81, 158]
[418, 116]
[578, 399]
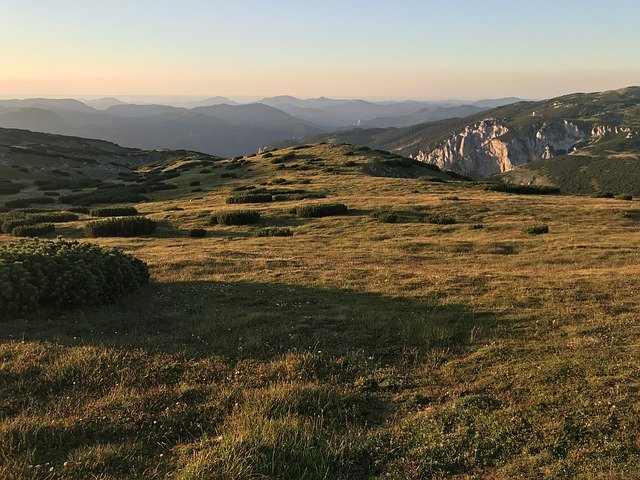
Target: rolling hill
[600, 127]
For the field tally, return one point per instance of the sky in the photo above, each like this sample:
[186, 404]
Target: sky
[393, 49]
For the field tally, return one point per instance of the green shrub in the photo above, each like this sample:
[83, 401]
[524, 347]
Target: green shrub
[57, 217]
[438, 218]
[27, 202]
[267, 155]
[288, 156]
[83, 210]
[107, 195]
[198, 233]
[457, 176]
[600, 194]
[60, 274]
[451, 197]
[624, 196]
[297, 196]
[114, 212]
[120, 227]
[35, 230]
[272, 232]
[195, 183]
[9, 221]
[315, 210]
[519, 189]
[537, 229]
[476, 226]
[10, 188]
[236, 217]
[384, 216]
[250, 198]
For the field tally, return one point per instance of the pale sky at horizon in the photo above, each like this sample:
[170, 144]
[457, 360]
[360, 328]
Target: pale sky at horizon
[431, 49]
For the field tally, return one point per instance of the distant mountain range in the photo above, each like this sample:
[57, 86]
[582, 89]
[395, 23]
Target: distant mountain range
[581, 142]
[218, 125]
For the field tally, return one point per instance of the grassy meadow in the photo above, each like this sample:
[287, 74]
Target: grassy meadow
[354, 349]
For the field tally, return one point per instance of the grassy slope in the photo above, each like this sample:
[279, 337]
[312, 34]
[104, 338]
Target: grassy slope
[354, 349]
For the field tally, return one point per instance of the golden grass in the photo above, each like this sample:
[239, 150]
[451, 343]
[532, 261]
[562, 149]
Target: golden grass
[354, 349]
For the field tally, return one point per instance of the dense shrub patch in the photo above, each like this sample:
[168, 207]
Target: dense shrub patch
[250, 198]
[60, 274]
[197, 233]
[600, 194]
[520, 189]
[438, 218]
[273, 232]
[35, 230]
[236, 217]
[103, 196]
[19, 218]
[315, 210]
[537, 229]
[83, 210]
[385, 216]
[10, 188]
[114, 212]
[27, 202]
[120, 227]
[624, 196]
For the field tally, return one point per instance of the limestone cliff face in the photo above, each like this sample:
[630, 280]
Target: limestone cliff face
[482, 149]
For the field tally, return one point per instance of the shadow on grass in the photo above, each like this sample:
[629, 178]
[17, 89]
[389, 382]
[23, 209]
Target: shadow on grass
[258, 321]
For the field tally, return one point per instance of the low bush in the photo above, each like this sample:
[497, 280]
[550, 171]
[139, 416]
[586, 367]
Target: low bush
[600, 194]
[476, 226]
[537, 229]
[384, 216]
[61, 274]
[10, 188]
[315, 210]
[198, 233]
[272, 232]
[283, 197]
[236, 217]
[457, 176]
[83, 210]
[195, 183]
[27, 202]
[267, 155]
[35, 230]
[288, 156]
[624, 196]
[120, 227]
[9, 221]
[114, 212]
[519, 189]
[107, 195]
[438, 218]
[56, 184]
[250, 198]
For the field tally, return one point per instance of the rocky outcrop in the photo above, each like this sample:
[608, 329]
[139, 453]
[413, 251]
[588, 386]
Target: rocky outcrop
[485, 148]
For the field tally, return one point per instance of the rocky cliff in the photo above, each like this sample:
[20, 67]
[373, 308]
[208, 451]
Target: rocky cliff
[489, 147]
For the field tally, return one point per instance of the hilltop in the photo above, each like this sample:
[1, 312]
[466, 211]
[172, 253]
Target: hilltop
[598, 129]
[423, 328]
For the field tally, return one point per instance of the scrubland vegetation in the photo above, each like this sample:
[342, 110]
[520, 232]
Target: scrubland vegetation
[396, 334]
